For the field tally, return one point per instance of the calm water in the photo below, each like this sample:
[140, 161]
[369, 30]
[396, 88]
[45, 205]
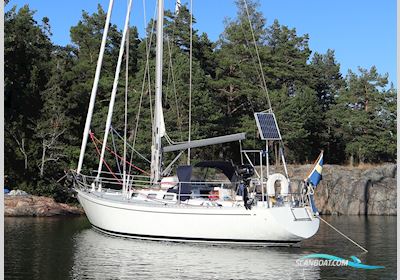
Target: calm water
[67, 248]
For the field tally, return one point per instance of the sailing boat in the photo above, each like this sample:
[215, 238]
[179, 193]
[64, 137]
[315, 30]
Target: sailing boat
[244, 207]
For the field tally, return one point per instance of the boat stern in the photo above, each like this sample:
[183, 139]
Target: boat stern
[298, 221]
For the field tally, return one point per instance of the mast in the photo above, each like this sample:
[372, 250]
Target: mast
[177, 6]
[158, 124]
[190, 78]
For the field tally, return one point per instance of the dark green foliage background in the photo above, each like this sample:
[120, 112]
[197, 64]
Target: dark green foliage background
[47, 91]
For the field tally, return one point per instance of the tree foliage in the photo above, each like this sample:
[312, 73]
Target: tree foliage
[47, 91]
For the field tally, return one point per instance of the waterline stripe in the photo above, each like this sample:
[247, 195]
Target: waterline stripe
[183, 239]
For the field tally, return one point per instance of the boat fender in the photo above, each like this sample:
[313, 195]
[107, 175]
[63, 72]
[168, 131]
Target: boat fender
[271, 184]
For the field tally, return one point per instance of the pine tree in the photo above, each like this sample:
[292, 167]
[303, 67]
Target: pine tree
[363, 118]
[238, 84]
[290, 54]
[86, 38]
[47, 90]
[27, 70]
[327, 77]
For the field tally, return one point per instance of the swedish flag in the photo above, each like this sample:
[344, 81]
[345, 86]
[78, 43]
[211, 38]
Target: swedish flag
[316, 173]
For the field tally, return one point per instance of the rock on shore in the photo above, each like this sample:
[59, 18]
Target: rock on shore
[352, 190]
[37, 206]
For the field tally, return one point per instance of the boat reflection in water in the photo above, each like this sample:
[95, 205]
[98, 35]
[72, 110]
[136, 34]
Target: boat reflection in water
[97, 256]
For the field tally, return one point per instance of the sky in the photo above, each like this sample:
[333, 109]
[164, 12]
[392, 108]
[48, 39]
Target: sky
[361, 32]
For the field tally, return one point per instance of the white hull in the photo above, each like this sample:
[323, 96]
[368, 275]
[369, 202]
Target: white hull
[258, 226]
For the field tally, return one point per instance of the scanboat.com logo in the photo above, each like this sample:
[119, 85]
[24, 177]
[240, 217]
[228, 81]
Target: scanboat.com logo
[329, 260]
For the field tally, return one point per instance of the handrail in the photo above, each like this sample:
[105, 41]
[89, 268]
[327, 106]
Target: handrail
[295, 198]
[106, 172]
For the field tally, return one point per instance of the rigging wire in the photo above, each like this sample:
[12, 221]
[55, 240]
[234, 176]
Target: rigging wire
[115, 149]
[252, 55]
[190, 77]
[103, 160]
[259, 62]
[146, 72]
[171, 68]
[174, 86]
[258, 54]
[258, 73]
[115, 154]
[165, 93]
[172, 142]
[148, 48]
[124, 186]
[179, 119]
[134, 150]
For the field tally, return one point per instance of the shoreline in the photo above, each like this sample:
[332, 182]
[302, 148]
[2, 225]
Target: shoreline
[38, 206]
[349, 191]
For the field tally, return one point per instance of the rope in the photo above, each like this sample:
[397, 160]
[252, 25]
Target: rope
[121, 158]
[170, 141]
[345, 236]
[115, 149]
[59, 180]
[104, 161]
[134, 150]
[258, 54]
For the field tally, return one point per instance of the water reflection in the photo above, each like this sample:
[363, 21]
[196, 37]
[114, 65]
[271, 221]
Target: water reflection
[98, 256]
[67, 248]
[39, 248]
[375, 233]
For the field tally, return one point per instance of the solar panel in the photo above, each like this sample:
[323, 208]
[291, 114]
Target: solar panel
[267, 126]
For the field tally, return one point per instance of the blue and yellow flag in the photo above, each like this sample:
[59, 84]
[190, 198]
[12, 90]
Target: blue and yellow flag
[316, 173]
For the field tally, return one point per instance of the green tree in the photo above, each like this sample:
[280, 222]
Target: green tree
[86, 39]
[27, 70]
[54, 127]
[238, 85]
[47, 90]
[300, 120]
[327, 79]
[290, 53]
[364, 117]
[205, 114]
